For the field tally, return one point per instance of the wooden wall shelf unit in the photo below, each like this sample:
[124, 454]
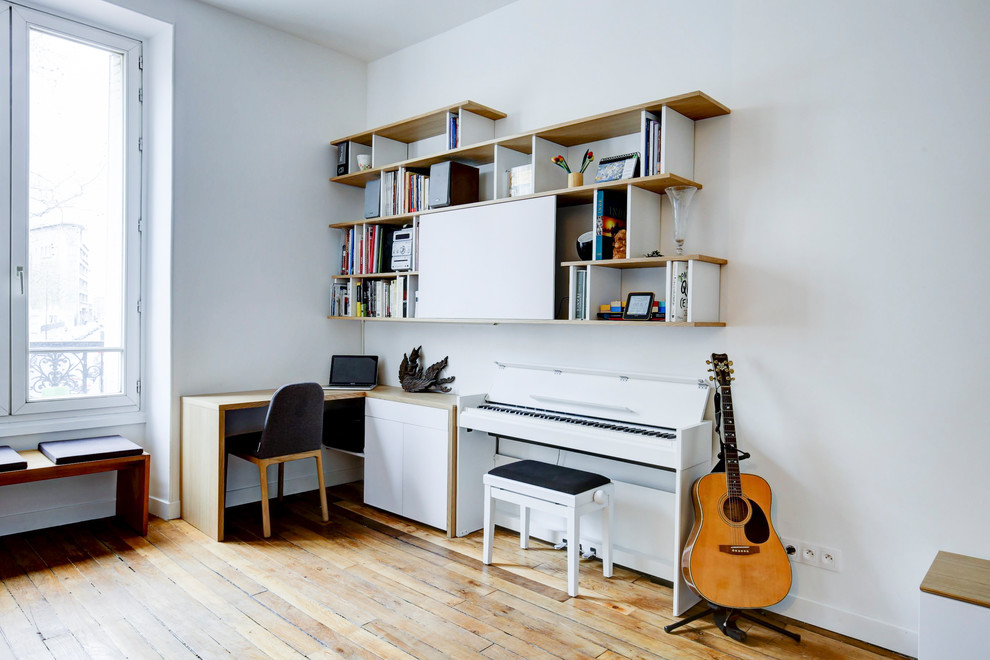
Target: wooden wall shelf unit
[465, 133]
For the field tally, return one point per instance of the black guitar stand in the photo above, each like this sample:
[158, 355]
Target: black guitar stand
[725, 617]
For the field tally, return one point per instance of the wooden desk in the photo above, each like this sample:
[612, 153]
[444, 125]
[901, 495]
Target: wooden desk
[133, 480]
[203, 446]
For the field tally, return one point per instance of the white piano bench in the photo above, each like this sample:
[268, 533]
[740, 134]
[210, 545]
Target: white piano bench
[554, 489]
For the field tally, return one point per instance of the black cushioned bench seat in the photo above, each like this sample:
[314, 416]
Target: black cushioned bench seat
[549, 476]
[11, 460]
[62, 452]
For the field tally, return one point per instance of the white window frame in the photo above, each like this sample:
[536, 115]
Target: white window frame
[14, 254]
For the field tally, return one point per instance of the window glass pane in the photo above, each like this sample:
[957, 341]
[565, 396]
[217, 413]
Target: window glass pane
[76, 224]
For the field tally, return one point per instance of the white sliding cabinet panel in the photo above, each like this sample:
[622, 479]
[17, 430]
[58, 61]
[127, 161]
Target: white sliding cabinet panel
[424, 474]
[383, 463]
[488, 262]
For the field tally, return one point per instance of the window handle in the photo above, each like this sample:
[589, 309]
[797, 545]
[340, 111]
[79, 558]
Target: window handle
[20, 276]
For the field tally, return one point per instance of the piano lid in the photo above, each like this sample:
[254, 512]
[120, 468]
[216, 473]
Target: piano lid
[628, 396]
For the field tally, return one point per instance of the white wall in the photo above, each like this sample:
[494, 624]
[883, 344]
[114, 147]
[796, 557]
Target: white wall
[254, 112]
[847, 190]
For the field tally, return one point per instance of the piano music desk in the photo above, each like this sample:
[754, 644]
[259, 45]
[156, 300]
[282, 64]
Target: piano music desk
[204, 420]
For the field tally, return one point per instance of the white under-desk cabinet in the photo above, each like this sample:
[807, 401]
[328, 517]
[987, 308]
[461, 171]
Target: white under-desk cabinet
[405, 460]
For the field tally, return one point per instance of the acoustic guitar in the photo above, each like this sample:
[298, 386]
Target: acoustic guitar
[733, 557]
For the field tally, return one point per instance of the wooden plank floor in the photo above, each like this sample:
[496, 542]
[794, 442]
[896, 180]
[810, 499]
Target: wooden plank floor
[364, 585]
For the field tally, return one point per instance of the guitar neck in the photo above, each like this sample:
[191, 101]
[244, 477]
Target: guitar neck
[729, 449]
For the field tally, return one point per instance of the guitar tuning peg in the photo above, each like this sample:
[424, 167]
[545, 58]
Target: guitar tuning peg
[709, 370]
[732, 379]
[712, 378]
[730, 363]
[708, 361]
[732, 371]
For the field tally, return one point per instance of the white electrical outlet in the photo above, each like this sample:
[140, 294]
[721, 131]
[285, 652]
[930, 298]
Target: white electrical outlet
[830, 559]
[809, 554]
[791, 547]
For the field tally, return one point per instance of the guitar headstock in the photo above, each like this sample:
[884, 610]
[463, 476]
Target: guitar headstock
[721, 368]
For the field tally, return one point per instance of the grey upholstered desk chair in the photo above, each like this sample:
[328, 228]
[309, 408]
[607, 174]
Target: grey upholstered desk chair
[293, 430]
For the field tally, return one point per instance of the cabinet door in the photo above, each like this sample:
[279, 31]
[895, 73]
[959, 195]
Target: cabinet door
[383, 464]
[424, 478]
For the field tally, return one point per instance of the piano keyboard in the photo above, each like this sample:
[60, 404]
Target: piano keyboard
[580, 420]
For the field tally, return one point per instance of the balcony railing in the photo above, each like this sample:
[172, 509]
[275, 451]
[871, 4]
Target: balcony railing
[57, 369]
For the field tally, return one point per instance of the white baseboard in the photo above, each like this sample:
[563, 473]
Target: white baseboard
[63, 515]
[854, 625]
[164, 509]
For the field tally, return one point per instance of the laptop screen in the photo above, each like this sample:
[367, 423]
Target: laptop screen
[360, 370]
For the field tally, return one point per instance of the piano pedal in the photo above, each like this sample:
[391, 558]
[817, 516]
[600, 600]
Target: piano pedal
[561, 546]
[590, 554]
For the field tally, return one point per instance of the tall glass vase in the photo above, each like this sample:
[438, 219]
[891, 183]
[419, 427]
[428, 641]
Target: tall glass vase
[680, 198]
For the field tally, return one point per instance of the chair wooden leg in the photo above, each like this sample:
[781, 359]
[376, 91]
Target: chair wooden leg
[323, 488]
[266, 524]
[281, 479]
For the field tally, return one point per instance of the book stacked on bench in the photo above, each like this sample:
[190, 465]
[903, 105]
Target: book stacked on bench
[10, 460]
[62, 452]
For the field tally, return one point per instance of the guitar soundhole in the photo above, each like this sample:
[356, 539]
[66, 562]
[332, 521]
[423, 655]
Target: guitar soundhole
[735, 509]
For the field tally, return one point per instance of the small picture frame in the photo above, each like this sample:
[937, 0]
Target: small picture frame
[639, 306]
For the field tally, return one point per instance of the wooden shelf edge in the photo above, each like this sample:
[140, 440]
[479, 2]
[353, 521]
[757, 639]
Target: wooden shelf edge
[647, 262]
[477, 108]
[671, 324]
[378, 276]
[579, 195]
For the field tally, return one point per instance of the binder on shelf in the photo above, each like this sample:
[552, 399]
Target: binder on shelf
[677, 303]
[342, 150]
[581, 295]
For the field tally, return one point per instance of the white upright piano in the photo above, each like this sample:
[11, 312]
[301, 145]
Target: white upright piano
[646, 432]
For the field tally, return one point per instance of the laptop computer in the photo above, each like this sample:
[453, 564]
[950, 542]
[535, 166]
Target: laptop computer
[353, 372]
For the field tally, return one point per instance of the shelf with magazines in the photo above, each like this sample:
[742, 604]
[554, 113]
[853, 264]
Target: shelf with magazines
[411, 186]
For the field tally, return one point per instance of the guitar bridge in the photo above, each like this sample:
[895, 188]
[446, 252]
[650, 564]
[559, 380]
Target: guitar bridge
[739, 549]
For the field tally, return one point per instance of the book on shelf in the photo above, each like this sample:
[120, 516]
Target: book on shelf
[521, 180]
[417, 187]
[339, 299]
[453, 123]
[342, 151]
[610, 225]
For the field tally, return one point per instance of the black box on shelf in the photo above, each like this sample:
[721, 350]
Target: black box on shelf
[452, 183]
[372, 198]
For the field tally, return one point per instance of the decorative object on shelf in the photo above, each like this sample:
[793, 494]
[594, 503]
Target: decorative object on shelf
[680, 198]
[414, 379]
[364, 162]
[574, 179]
[614, 168]
[654, 253]
[585, 243]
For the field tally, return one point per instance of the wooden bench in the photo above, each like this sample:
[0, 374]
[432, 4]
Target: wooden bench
[133, 480]
[955, 608]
